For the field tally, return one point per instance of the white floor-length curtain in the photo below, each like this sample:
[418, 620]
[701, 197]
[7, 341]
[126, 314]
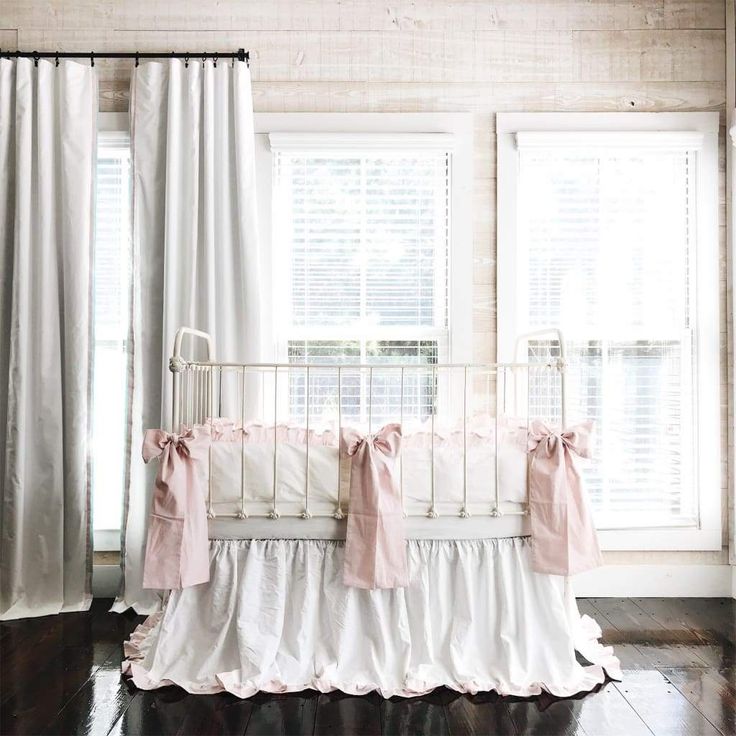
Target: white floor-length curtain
[195, 250]
[47, 152]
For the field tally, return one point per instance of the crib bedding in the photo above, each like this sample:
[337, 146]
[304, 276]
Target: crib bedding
[243, 462]
[276, 617]
[472, 612]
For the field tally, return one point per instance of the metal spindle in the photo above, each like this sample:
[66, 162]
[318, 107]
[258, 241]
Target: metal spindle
[200, 397]
[193, 417]
[219, 392]
[242, 514]
[338, 512]
[190, 402]
[464, 513]
[206, 389]
[274, 513]
[370, 399]
[529, 456]
[210, 504]
[432, 513]
[401, 422]
[496, 510]
[305, 513]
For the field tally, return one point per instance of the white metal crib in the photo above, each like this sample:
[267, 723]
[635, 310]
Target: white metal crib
[364, 396]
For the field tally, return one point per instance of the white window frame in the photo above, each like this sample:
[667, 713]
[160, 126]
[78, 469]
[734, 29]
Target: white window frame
[368, 130]
[692, 128]
[111, 124]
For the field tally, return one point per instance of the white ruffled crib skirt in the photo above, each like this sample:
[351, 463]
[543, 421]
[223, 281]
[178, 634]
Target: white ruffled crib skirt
[276, 617]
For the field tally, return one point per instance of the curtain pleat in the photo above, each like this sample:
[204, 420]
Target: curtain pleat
[195, 252]
[47, 152]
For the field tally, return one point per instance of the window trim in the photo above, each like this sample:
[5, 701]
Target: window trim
[366, 130]
[112, 125]
[707, 535]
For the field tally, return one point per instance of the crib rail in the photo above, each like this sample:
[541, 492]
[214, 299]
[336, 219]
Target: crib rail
[364, 396]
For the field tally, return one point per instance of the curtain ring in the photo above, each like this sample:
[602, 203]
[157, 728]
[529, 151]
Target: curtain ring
[36, 57]
[215, 58]
[56, 59]
[204, 58]
[137, 59]
[186, 60]
[91, 58]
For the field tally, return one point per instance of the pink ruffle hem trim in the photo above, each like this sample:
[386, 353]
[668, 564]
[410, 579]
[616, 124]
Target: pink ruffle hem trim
[603, 664]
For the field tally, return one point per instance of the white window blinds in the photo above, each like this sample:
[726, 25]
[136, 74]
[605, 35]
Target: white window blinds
[111, 319]
[608, 236]
[364, 231]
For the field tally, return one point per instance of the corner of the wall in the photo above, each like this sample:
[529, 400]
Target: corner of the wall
[105, 581]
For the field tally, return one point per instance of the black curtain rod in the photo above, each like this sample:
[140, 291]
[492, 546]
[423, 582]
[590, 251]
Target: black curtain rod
[239, 55]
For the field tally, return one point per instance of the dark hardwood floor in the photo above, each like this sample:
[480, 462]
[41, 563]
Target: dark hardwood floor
[61, 675]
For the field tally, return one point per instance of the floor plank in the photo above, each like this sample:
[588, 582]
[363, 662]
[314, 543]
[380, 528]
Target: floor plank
[347, 714]
[160, 712]
[711, 693]
[61, 675]
[216, 715]
[608, 713]
[97, 705]
[545, 715]
[661, 705]
[292, 714]
[658, 645]
[478, 714]
[414, 716]
[628, 655]
[81, 644]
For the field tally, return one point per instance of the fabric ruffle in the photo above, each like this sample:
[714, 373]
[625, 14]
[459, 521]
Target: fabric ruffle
[275, 617]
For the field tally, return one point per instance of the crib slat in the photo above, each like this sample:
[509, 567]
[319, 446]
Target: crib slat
[401, 459]
[496, 510]
[210, 505]
[274, 513]
[306, 514]
[243, 513]
[338, 511]
[464, 514]
[432, 513]
[370, 399]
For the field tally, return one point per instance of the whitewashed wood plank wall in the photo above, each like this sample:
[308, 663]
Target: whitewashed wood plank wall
[427, 55]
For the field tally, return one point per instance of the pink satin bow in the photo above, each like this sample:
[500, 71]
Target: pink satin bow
[177, 547]
[564, 539]
[375, 544]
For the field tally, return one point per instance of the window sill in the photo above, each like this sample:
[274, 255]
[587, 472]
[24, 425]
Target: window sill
[669, 539]
[107, 540]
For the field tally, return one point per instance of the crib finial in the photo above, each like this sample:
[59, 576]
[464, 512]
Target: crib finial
[177, 364]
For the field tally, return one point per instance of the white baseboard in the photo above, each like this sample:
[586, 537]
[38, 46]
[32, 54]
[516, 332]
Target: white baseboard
[656, 581]
[105, 581]
[610, 581]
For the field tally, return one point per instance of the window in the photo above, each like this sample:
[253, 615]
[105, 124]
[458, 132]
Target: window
[363, 232]
[610, 235]
[111, 278]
